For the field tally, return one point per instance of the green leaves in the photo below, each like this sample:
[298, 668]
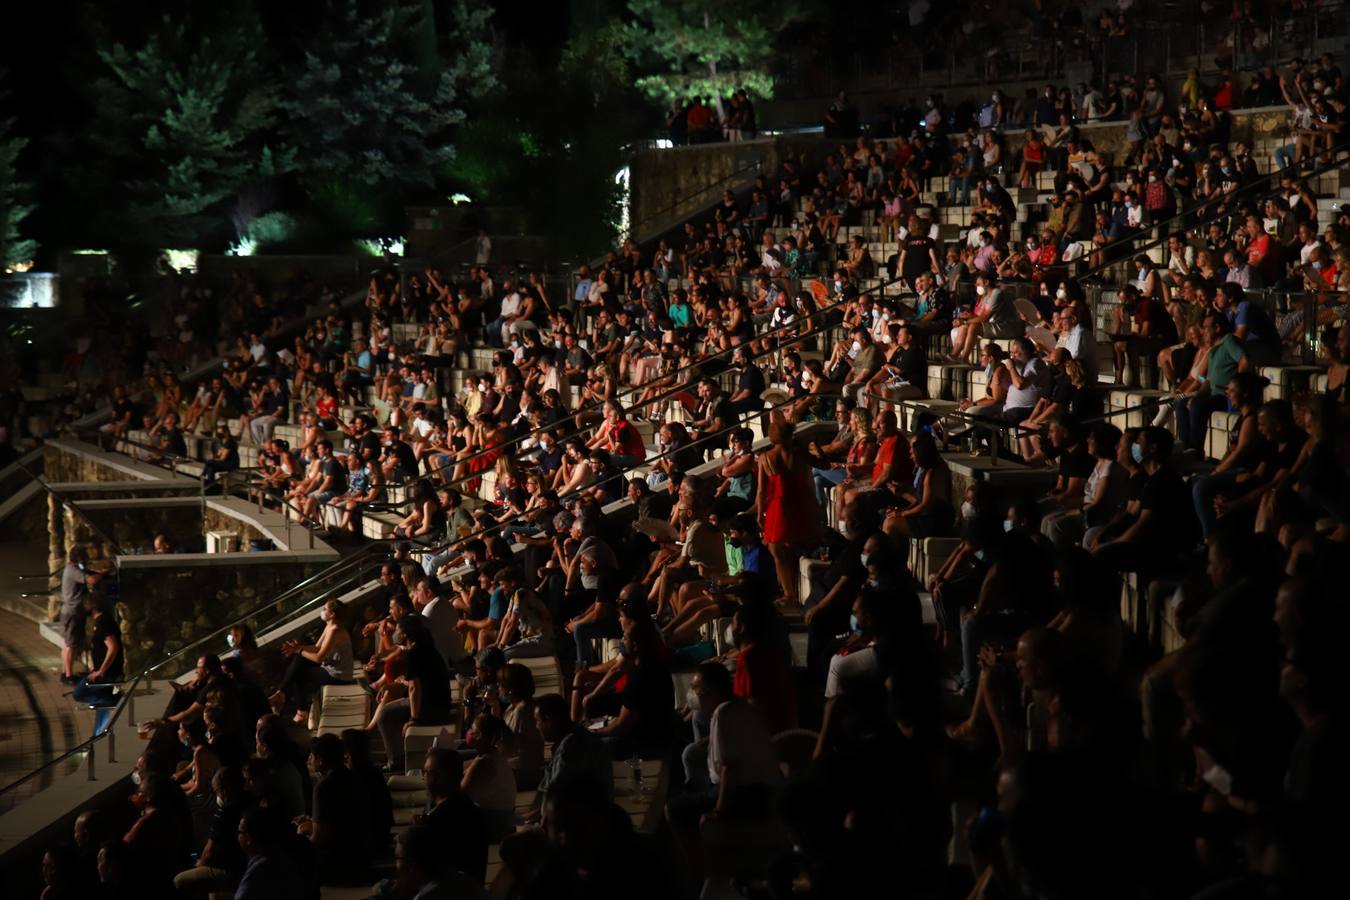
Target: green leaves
[13, 210]
[199, 110]
[703, 48]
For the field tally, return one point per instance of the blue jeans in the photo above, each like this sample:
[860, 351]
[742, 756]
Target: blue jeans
[958, 190]
[100, 698]
[493, 331]
[1204, 488]
[827, 478]
[511, 532]
[1193, 417]
[1284, 156]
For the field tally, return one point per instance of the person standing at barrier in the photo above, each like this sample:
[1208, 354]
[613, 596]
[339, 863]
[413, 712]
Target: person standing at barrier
[77, 580]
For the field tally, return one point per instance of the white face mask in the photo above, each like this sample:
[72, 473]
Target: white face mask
[1061, 294]
[857, 345]
[590, 582]
[864, 557]
[229, 640]
[691, 700]
[980, 289]
[968, 510]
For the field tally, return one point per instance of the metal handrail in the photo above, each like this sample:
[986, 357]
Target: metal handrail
[357, 562]
[666, 395]
[362, 556]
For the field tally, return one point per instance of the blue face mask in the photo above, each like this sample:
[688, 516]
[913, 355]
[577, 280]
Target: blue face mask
[853, 625]
[1007, 525]
[1137, 454]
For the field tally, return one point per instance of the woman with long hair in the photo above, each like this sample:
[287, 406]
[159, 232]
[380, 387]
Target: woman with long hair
[326, 661]
[786, 504]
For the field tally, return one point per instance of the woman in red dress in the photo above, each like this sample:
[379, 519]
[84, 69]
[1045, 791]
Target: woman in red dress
[786, 503]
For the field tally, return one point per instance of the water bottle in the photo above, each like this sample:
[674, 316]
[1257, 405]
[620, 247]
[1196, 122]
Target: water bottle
[635, 767]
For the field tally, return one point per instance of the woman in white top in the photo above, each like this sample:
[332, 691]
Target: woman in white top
[488, 779]
[327, 661]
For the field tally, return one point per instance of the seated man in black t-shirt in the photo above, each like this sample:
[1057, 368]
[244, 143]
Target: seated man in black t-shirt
[338, 825]
[750, 383]
[1075, 465]
[427, 680]
[167, 438]
[1166, 525]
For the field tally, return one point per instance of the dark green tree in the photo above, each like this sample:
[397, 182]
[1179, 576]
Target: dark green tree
[13, 193]
[704, 48]
[192, 112]
[359, 108]
[371, 113]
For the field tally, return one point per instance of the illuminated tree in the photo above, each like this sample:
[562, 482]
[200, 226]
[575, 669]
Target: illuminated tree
[363, 109]
[13, 209]
[196, 109]
[704, 48]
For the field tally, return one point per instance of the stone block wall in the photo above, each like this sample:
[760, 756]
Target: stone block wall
[165, 608]
[133, 524]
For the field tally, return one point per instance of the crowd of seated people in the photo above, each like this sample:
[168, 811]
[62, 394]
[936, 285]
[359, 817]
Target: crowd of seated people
[1027, 743]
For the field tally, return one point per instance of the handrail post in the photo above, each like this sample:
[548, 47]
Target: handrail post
[111, 736]
[89, 758]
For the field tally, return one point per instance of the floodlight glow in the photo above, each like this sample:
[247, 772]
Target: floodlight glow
[457, 199]
[245, 246]
[384, 246]
[179, 260]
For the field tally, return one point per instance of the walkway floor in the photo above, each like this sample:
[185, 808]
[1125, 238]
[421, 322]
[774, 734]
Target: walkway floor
[38, 721]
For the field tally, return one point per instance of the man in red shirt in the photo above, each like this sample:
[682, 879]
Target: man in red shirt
[892, 469]
[1262, 252]
[619, 438]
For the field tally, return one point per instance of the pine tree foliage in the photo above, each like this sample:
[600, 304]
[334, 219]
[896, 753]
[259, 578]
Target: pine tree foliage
[13, 209]
[703, 48]
[202, 111]
[357, 108]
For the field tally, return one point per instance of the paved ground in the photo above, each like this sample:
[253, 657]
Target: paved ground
[38, 722]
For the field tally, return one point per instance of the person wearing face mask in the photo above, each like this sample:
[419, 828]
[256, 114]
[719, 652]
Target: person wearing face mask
[1165, 525]
[873, 626]
[221, 862]
[327, 661]
[527, 628]
[599, 619]
[195, 779]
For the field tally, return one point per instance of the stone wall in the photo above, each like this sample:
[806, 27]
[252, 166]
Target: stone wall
[76, 461]
[163, 608]
[132, 524]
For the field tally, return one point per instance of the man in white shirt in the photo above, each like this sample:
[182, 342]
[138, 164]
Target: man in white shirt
[733, 772]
